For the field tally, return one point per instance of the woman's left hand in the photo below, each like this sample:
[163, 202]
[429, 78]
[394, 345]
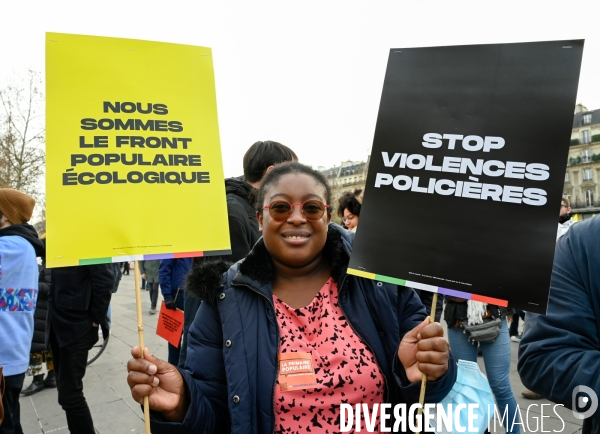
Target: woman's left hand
[424, 350]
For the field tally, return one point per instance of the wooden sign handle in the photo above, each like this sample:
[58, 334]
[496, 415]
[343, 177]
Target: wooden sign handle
[140, 320]
[424, 377]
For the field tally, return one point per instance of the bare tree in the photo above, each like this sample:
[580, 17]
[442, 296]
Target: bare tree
[22, 134]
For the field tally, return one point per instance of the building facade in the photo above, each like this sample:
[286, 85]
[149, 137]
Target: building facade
[349, 176]
[583, 165]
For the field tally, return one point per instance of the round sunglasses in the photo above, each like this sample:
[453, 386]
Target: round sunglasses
[281, 210]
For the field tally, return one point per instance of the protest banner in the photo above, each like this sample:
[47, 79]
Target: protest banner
[467, 170]
[134, 166]
[170, 325]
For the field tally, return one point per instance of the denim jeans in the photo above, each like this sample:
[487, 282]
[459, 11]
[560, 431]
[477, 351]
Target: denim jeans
[12, 408]
[70, 364]
[496, 357]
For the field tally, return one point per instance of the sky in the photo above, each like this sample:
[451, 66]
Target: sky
[307, 74]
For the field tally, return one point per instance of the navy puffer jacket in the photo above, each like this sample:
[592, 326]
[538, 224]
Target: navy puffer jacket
[231, 368]
[561, 350]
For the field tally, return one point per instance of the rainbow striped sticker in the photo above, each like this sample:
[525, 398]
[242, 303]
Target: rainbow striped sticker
[109, 259]
[430, 288]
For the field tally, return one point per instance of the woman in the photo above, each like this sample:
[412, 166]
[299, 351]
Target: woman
[349, 209]
[371, 344]
[496, 355]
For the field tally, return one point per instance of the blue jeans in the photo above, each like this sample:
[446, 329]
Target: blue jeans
[496, 357]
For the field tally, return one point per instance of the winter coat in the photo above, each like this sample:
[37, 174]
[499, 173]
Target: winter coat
[19, 246]
[79, 297]
[38, 344]
[561, 350]
[243, 224]
[231, 368]
[150, 269]
[171, 275]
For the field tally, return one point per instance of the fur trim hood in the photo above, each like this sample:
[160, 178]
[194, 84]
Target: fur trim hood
[207, 279]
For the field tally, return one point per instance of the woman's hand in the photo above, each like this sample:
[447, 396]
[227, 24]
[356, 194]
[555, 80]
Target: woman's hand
[160, 381]
[424, 350]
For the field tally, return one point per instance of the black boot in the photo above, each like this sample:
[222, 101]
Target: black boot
[36, 385]
[50, 381]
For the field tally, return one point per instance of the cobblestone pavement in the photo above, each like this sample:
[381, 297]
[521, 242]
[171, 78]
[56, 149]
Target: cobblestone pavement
[115, 412]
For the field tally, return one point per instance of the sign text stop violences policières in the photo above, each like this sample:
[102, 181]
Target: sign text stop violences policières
[473, 167]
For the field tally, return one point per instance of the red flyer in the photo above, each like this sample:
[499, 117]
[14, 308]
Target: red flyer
[170, 325]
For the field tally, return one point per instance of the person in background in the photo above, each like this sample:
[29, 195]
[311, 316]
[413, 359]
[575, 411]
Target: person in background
[19, 246]
[78, 305]
[118, 274]
[258, 160]
[564, 224]
[349, 209]
[40, 352]
[514, 326]
[559, 355]
[149, 271]
[171, 275]
[564, 218]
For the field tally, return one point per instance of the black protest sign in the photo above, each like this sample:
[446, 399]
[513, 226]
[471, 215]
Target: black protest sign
[467, 170]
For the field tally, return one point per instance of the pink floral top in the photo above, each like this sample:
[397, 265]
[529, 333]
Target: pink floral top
[344, 366]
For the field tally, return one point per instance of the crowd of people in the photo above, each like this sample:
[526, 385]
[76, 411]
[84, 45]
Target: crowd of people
[284, 289]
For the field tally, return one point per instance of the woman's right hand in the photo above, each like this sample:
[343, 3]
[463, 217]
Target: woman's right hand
[160, 381]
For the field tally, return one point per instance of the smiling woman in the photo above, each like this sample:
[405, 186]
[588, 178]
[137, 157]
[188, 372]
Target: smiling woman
[290, 304]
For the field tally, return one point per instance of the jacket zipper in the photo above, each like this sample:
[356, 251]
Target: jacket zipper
[387, 389]
[278, 346]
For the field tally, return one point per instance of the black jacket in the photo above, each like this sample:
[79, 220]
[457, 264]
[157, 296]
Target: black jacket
[243, 224]
[79, 296]
[38, 344]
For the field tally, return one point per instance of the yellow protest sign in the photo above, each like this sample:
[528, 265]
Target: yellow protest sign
[134, 166]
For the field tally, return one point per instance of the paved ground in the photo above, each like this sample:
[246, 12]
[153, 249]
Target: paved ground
[115, 412]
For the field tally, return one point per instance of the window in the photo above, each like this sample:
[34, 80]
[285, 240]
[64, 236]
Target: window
[585, 136]
[566, 177]
[585, 156]
[589, 197]
[587, 119]
[587, 175]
